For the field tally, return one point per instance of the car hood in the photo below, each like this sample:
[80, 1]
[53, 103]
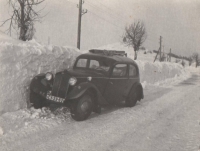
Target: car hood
[83, 73]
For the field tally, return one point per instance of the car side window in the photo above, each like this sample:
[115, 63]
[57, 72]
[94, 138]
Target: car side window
[81, 63]
[120, 70]
[132, 71]
[94, 64]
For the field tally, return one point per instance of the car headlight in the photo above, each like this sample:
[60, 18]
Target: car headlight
[72, 81]
[48, 76]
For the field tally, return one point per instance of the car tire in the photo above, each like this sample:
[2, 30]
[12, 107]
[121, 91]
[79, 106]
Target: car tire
[132, 98]
[36, 100]
[82, 108]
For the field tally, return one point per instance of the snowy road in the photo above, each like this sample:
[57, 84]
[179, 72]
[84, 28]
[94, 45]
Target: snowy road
[167, 119]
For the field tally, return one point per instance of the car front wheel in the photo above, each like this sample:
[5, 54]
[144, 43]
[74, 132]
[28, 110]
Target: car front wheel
[82, 108]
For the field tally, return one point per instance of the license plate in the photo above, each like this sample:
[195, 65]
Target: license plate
[55, 99]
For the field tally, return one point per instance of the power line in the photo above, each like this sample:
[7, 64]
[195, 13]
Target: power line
[94, 6]
[107, 12]
[98, 15]
[72, 2]
[105, 19]
[111, 10]
[97, 7]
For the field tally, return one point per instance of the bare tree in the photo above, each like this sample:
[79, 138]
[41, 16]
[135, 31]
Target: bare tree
[190, 61]
[23, 17]
[135, 35]
[183, 63]
[196, 59]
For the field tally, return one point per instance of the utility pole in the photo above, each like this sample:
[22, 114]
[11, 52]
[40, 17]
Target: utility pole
[156, 55]
[49, 40]
[80, 13]
[160, 46]
[163, 56]
[170, 55]
[159, 50]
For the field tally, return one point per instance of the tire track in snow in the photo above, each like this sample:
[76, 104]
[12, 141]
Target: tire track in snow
[33, 127]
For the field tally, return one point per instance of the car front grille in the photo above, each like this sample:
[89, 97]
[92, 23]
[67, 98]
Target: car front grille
[61, 84]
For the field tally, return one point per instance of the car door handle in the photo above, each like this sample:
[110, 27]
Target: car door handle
[111, 82]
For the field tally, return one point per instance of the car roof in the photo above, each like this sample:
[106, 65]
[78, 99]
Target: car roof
[112, 59]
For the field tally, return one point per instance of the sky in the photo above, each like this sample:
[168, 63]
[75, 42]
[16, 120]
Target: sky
[177, 21]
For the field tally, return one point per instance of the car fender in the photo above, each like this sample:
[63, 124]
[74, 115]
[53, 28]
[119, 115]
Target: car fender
[135, 86]
[39, 86]
[80, 89]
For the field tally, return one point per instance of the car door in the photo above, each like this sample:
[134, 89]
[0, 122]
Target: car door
[117, 84]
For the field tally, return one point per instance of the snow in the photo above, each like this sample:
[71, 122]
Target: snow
[1, 131]
[20, 62]
[32, 120]
[157, 122]
[154, 120]
[157, 73]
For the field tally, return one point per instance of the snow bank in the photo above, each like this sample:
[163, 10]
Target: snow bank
[19, 62]
[28, 121]
[159, 71]
[1, 131]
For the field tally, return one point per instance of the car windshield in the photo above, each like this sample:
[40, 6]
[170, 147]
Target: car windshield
[100, 65]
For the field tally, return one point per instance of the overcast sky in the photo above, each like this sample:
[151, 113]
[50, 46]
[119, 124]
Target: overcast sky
[177, 21]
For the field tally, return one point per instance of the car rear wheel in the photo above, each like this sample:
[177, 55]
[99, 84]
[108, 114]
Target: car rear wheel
[36, 100]
[132, 98]
[82, 108]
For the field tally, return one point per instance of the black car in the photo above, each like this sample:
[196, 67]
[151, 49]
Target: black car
[97, 78]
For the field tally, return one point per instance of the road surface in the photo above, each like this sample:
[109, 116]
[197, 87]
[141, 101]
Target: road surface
[167, 119]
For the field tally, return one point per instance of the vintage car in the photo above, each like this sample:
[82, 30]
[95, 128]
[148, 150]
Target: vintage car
[98, 78]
